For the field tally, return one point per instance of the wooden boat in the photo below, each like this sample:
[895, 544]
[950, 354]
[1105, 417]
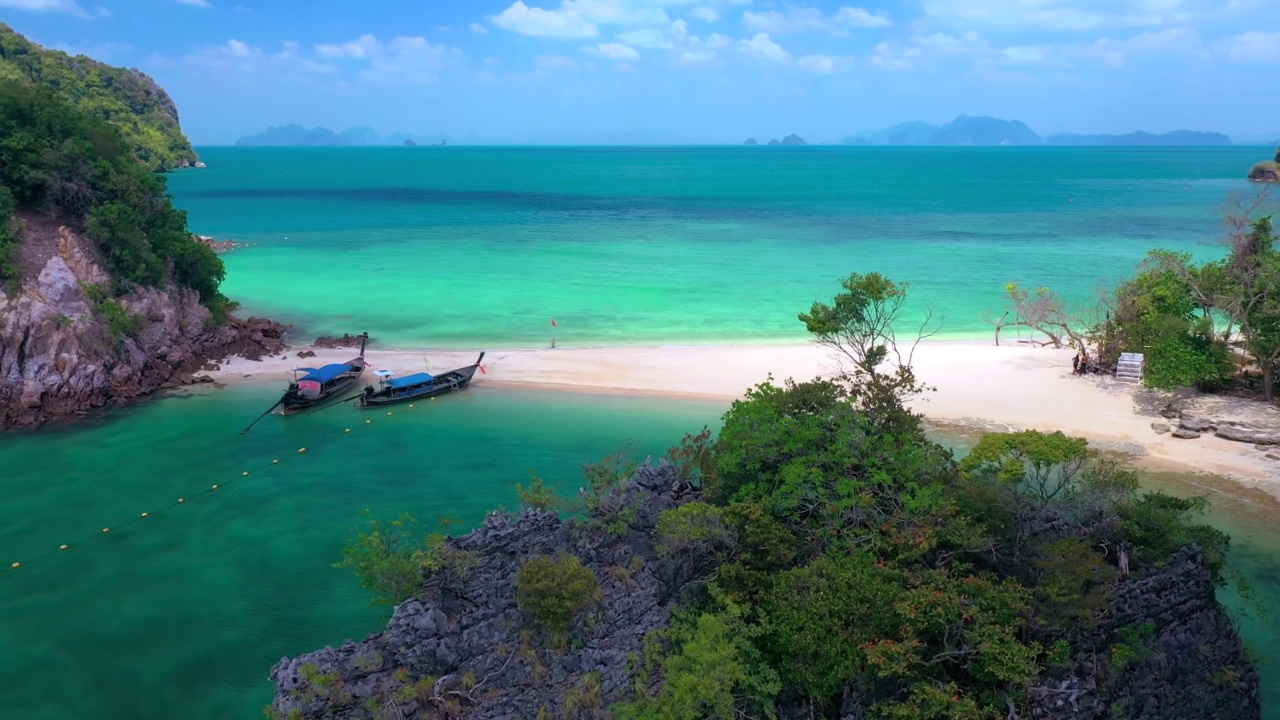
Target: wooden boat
[323, 383]
[418, 386]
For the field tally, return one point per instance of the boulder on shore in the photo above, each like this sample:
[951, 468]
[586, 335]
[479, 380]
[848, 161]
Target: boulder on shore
[346, 341]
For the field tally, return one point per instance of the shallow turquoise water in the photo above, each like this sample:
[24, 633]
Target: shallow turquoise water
[189, 608]
[483, 246]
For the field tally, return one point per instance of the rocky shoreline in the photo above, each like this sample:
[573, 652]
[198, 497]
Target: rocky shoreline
[461, 646]
[67, 350]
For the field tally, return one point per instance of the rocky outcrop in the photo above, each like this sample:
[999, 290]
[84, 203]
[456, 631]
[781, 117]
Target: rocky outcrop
[461, 648]
[750, 141]
[1165, 650]
[219, 246]
[793, 140]
[1265, 172]
[61, 357]
[460, 642]
[346, 341]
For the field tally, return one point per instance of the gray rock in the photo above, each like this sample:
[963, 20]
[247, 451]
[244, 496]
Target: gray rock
[1195, 424]
[1249, 435]
[1160, 428]
[58, 359]
[1184, 434]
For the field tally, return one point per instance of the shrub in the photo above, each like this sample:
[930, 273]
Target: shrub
[553, 593]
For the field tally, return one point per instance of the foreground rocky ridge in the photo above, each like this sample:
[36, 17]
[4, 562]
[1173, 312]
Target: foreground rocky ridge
[60, 357]
[461, 648]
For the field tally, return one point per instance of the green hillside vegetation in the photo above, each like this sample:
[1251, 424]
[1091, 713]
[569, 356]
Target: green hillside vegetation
[141, 110]
[848, 561]
[61, 161]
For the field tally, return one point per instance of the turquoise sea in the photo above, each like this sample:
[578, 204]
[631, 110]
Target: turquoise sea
[461, 247]
[182, 613]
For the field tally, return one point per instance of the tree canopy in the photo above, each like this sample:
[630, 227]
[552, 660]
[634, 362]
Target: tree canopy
[61, 161]
[127, 99]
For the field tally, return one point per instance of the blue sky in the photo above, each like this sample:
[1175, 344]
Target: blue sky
[699, 70]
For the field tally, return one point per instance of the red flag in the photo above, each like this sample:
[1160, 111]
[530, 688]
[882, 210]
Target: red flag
[553, 322]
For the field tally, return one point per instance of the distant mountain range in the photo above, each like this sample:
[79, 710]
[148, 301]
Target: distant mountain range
[966, 130]
[297, 135]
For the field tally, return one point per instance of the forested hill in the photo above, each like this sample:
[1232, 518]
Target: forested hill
[128, 99]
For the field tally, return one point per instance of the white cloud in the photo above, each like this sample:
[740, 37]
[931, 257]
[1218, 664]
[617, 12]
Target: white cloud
[817, 63]
[810, 19]
[195, 3]
[63, 6]
[399, 61]
[522, 19]
[648, 38]
[613, 51]
[580, 18]
[550, 63]
[925, 49]
[760, 47]
[706, 14]
[1076, 15]
[479, 29]
[857, 17]
[1253, 47]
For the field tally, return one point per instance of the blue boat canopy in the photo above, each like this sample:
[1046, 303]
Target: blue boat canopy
[325, 374]
[410, 380]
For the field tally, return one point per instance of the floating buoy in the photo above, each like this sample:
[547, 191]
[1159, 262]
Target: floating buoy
[181, 500]
[215, 487]
[410, 404]
[433, 399]
[366, 422]
[275, 462]
[106, 529]
[244, 474]
[347, 430]
[145, 514]
[17, 564]
[388, 414]
[63, 547]
[301, 450]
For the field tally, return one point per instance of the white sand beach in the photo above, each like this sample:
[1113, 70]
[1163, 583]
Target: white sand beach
[979, 386]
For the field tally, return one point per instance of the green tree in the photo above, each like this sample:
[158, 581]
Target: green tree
[553, 593]
[860, 328]
[1157, 313]
[387, 559]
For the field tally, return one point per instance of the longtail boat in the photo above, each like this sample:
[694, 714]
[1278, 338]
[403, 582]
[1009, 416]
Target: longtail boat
[418, 386]
[323, 383]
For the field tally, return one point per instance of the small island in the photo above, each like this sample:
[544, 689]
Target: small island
[1267, 171]
[750, 141]
[793, 140]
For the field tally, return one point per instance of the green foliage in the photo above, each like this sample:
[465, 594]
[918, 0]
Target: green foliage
[120, 320]
[554, 593]
[860, 327]
[60, 161]
[538, 495]
[1159, 525]
[1041, 467]
[10, 272]
[387, 559]
[694, 460]
[605, 497]
[122, 97]
[1157, 313]
[1134, 645]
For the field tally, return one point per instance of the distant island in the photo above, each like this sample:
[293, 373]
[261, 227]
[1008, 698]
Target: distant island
[1267, 171]
[966, 130]
[1140, 138]
[788, 140]
[298, 136]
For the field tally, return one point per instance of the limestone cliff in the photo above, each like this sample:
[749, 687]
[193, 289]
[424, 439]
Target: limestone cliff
[459, 649]
[60, 353]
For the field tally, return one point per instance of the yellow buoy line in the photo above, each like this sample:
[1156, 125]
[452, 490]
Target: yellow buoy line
[19, 564]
